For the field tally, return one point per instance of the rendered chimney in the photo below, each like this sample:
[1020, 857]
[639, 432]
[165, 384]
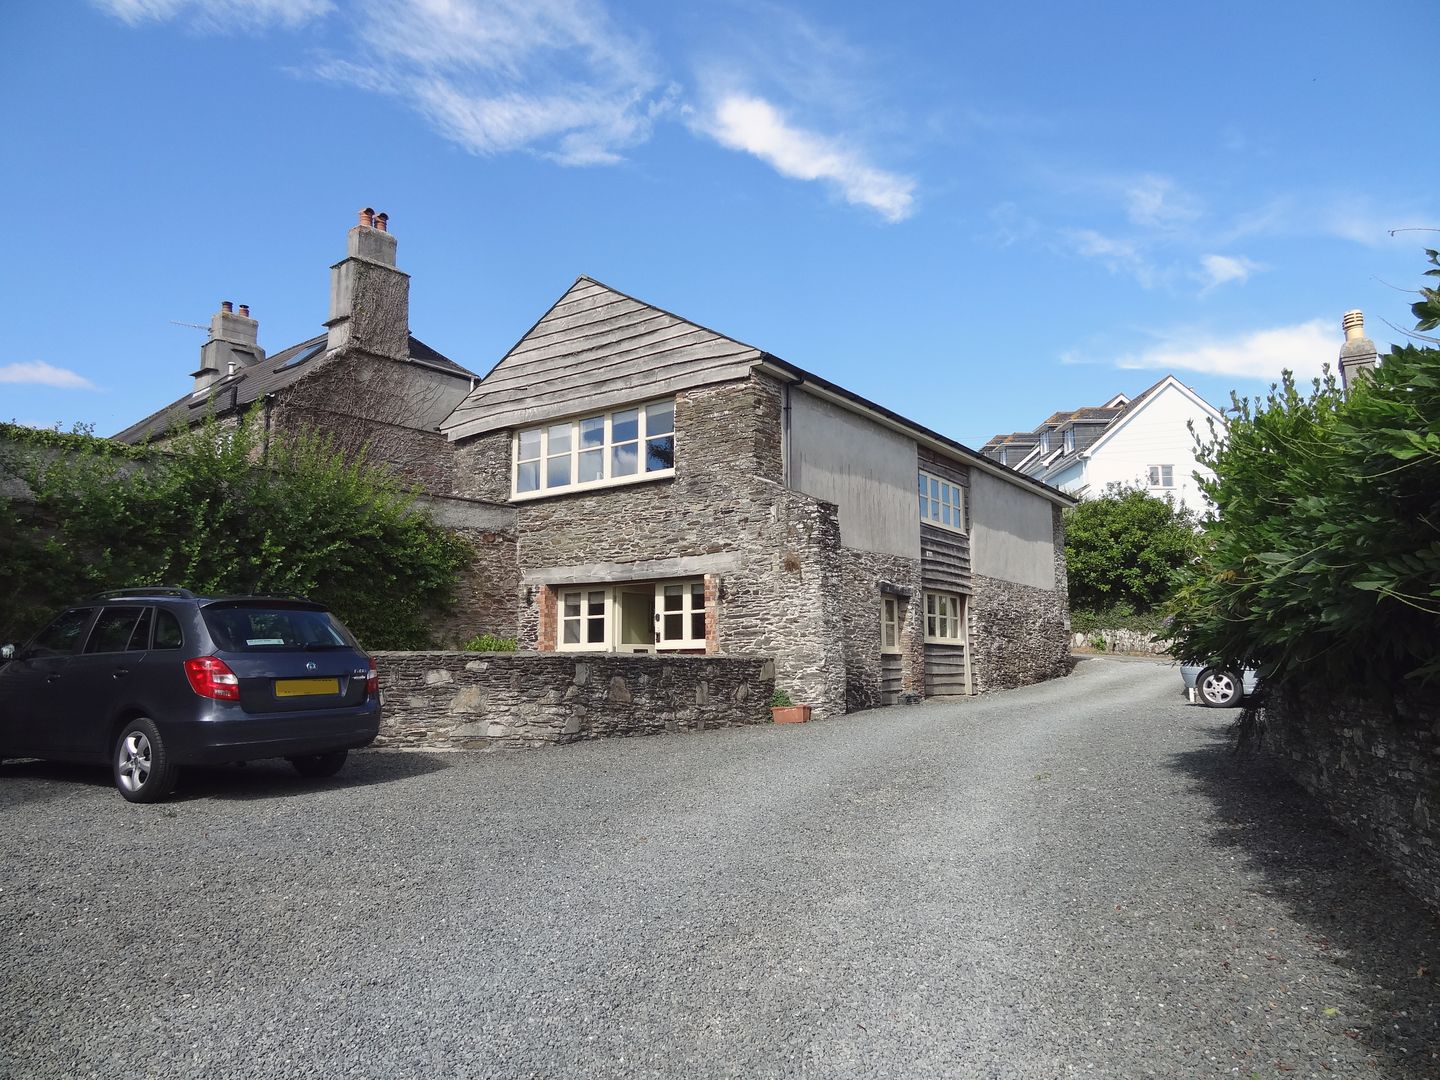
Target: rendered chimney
[1357, 355]
[369, 296]
[233, 346]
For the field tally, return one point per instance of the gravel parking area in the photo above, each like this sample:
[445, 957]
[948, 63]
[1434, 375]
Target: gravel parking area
[1075, 878]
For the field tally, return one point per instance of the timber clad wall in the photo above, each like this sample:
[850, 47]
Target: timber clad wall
[594, 350]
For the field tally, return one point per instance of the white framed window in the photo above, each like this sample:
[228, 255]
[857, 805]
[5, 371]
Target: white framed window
[584, 620]
[944, 618]
[639, 616]
[620, 447]
[889, 624]
[1161, 476]
[680, 615]
[1069, 440]
[941, 502]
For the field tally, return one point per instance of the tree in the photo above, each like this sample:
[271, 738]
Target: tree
[1127, 549]
[203, 514]
[1324, 556]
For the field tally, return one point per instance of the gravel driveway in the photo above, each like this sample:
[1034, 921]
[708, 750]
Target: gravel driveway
[1075, 878]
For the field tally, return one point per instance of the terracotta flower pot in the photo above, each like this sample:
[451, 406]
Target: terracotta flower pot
[790, 714]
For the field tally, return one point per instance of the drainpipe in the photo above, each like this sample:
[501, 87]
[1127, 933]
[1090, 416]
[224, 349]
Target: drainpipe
[265, 437]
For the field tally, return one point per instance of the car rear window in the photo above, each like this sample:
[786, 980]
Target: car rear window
[265, 629]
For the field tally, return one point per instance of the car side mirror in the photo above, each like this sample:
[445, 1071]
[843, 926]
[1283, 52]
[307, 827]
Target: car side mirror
[7, 652]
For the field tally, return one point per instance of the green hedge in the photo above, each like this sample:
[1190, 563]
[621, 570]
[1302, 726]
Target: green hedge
[218, 510]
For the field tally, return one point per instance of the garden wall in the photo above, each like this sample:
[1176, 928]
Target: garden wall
[469, 701]
[1376, 768]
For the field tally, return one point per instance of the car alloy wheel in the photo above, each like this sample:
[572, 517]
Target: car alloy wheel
[143, 772]
[1219, 689]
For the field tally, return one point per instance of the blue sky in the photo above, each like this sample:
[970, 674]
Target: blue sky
[973, 213]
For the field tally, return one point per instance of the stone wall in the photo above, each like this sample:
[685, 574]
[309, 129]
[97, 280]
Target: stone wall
[770, 555]
[1374, 765]
[468, 701]
[1020, 634]
[861, 575]
[1119, 641]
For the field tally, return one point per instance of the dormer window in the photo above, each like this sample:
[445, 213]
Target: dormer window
[1045, 443]
[1069, 440]
[621, 447]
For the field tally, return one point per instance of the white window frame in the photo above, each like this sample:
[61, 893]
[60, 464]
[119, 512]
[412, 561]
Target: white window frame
[1154, 473]
[1069, 440]
[944, 618]
[611, 616]
[606, 449]
[686, 613]
[607, 618]
[890, 624]
[939, 494]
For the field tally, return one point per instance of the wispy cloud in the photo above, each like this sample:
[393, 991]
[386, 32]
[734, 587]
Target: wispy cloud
[561, 79]
[757, 127]
[218, 15]
[1119, 255]
[1217, 270]
[1157, 202]
[39, 373]
[551, 76]
[1258, 354]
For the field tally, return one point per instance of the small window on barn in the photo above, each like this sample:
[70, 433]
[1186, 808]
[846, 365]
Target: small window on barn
[944, 618]
[1161, 476]
[941, 502]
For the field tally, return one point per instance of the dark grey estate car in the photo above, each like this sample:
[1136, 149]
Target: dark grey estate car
[151, 679]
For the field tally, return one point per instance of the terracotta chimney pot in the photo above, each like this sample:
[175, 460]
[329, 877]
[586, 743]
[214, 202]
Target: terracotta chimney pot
[382, 222]
[367, 217]
[245, 310]
[226, 306]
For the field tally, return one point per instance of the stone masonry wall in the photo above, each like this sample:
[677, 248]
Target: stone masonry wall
[862, 573]
[1376, 768]
[467, 701]
[1020, 634]
[779, 598]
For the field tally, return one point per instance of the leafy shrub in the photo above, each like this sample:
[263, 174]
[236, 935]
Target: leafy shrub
[202, 513]
[1324, 555]
[489, 643]
[780, 700]
[1127, 549]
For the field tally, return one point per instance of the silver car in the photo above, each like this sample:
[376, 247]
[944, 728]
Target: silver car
[1216, 686]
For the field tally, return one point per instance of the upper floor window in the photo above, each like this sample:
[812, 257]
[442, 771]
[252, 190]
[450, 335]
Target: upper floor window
[1045, 443]
[618, 447]
[1069, 440]
[941, 502]
[1161, 476]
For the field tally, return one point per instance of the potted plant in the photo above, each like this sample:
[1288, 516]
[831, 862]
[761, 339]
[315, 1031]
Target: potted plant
[785, 711]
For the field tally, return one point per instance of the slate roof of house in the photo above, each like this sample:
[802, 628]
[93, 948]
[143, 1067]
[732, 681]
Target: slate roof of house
[255, 381]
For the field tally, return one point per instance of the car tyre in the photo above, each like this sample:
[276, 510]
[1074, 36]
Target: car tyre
[1219, 688]
[318, 766]
[141, 763]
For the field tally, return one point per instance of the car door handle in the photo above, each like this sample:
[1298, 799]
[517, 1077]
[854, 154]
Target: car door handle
[52, 678]
[120, 673]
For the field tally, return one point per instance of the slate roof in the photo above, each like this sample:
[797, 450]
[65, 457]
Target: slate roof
[255, 381]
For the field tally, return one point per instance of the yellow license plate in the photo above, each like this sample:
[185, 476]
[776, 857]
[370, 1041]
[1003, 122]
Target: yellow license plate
[306, 687]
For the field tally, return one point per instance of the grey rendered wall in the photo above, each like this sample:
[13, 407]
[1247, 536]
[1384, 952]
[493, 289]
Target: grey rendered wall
[1011, 533]
[864, 469]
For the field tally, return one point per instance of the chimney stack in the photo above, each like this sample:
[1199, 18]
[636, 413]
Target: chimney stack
[369, 296]
[1357, 354]
[233, 345]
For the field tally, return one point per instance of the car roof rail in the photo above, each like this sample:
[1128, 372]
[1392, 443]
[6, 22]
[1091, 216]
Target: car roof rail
[151, 590]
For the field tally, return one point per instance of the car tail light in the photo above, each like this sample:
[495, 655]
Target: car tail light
[372, 680]
[211, 677]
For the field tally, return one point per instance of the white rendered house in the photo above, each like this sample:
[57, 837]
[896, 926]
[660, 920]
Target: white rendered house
[1142, 442]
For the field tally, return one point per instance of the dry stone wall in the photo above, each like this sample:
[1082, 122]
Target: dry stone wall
[1374, 765]
[862, 575]
[470, 701]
